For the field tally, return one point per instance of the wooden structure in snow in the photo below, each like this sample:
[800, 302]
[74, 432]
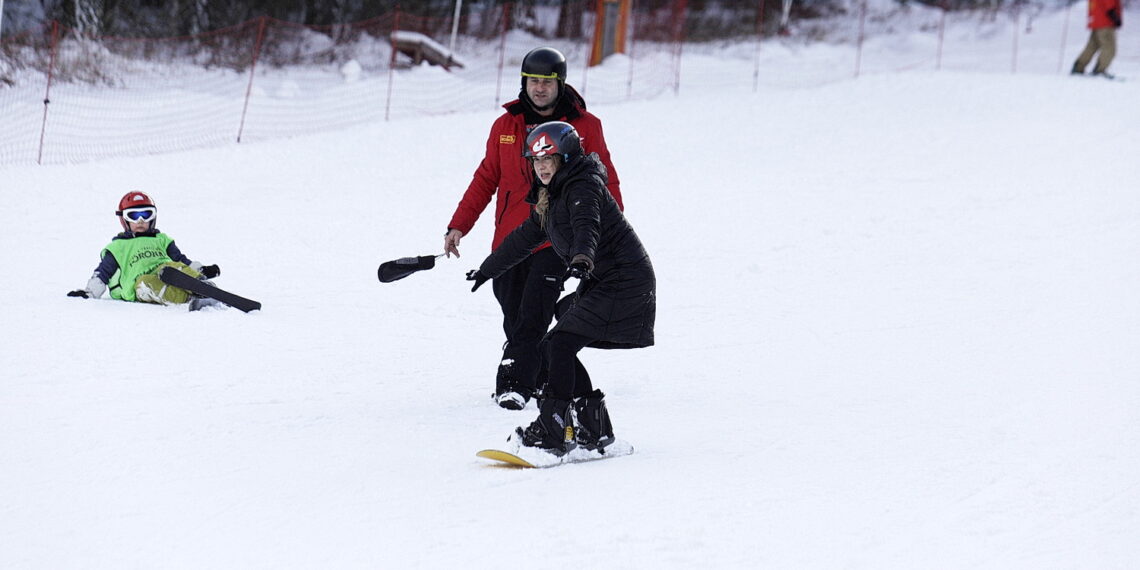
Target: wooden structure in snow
[421, 48]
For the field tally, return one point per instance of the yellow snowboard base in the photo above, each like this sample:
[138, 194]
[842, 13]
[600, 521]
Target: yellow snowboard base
[505, 457]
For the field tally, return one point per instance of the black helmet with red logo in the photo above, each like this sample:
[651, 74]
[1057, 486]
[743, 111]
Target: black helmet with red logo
[555, 137]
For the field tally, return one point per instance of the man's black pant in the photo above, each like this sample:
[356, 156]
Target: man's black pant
[527, 294]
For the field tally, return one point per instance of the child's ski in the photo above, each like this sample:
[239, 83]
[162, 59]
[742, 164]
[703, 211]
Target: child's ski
[172, 276]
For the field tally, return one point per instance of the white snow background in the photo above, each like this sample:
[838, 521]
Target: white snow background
[898, 327]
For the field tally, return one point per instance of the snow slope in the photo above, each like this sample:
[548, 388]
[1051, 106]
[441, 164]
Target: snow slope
[897, 328]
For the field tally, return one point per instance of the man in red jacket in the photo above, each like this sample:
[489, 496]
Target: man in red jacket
[1104, 17]
[528, 292]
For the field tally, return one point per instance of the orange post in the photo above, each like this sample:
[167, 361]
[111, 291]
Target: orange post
[610, 25]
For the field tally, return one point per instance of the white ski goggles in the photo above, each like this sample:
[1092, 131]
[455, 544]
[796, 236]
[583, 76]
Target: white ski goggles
[140, 214]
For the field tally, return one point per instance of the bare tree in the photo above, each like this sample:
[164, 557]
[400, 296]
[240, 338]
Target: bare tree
[89, 17]
[570, 19]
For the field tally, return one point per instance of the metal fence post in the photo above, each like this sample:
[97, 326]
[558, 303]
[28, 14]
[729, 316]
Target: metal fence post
[252, 71]
[47, 90]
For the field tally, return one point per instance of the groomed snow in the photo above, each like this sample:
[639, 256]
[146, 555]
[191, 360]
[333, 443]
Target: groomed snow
[898, 328]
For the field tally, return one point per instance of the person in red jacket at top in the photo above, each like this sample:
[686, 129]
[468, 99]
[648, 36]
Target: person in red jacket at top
[1104, 17]
[528, 292]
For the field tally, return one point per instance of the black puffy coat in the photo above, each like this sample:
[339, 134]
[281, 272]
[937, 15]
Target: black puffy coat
[618, 305]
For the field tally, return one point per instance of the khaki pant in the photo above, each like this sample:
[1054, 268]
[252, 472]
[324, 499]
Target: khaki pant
[150, 289]
[1103, 40]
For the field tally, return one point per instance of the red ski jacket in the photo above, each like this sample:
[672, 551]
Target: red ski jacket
[505, 174]
[1104, 14]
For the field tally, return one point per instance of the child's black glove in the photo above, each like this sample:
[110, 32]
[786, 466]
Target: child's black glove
[478, 277]
[210, 271]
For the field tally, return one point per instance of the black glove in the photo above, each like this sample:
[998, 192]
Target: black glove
[580, 267]
[78, 293]
[478, 277]
[210, 271]
[1114, 17]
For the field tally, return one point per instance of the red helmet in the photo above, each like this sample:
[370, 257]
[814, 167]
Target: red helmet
[135, 200]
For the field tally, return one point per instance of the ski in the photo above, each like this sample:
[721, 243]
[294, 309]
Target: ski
[172, 276]
[1104, 76]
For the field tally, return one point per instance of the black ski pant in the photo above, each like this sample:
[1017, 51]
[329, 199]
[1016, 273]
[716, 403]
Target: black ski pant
[567, 378]
[527, 294]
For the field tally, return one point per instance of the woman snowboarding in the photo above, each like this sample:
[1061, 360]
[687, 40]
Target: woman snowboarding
[615, 304]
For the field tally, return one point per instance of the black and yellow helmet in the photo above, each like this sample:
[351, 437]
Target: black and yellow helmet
[544, 62]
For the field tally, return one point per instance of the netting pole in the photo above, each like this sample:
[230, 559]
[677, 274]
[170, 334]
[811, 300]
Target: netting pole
[785, 18]
[585, 85]
[941, 37]
[454, 30]
[859, 40]
[1016, 33]
[502, 52]
[679, 9]
[47, 90]
[585, 78]
[759, 36]
[252, 71]
[392, 64]
[1064, 40]
[632, 44]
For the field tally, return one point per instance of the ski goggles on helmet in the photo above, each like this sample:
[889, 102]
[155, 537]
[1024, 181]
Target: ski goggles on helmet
[140, 214]
[551, 75]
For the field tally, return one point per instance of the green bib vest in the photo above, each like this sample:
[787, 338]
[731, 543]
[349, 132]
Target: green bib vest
[136, 256]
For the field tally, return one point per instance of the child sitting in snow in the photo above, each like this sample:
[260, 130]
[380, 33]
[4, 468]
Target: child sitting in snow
[132, 261]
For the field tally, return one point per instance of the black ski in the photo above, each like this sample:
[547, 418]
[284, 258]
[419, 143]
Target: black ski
[172, 276]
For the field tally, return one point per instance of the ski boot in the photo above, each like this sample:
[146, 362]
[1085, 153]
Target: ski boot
[593, 428]
[552, 431]
[197, 303]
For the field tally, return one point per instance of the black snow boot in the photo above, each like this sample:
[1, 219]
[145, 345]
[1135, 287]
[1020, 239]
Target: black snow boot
[594, 430]
[509, 393]
[552, 431]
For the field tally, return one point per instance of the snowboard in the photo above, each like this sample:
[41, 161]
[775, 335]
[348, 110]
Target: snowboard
[532, 458]
[172, 276]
